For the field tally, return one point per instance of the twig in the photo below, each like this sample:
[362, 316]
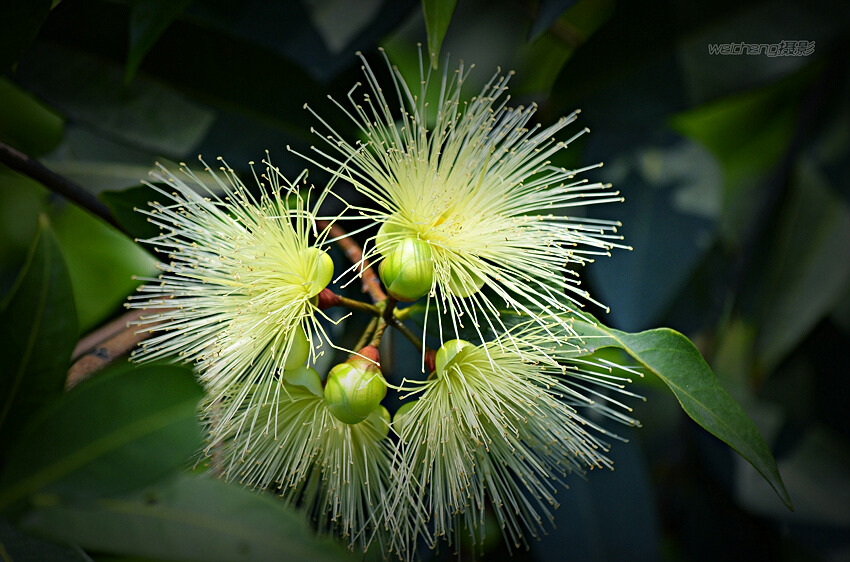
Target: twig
[93, 353]
[25, 165]
[354, 253]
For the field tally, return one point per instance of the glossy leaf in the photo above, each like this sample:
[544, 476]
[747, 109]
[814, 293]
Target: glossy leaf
[188, 518]
[438, 16]
[673, 358]
[38, 331]
[18, 546]
[121, 430]
[548, 12]
[18, 28]
[123, 205]
[148, 20]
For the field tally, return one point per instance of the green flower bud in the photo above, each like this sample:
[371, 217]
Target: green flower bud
[299, 350]
[401, 413]
[380, 420]
[407, 270]
[306, 378]
[353, 390]
[465, 282]
[448, 352]
[324, 269]
[387, 231]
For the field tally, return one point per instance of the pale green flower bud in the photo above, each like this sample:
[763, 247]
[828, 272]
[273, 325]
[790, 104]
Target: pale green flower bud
[354, 389]
[299, 350]
[387, 231]
[380, 420]
[324, 269]
[306, 378]
[407, 271]
[401, 413]
[448, 352]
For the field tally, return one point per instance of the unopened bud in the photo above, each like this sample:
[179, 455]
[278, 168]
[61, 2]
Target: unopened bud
[380, 420]
[323, 272]
[354, 389]
[299, 349]
[407, 270]
[304, 377]
[448, 352]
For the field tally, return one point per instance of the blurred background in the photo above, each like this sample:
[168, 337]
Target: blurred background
[735, 169]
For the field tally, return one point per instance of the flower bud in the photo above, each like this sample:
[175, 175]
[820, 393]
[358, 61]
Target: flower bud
[447, 353]
[324, 269]
[387, 231]
[401, 414]
[299, 349]
[354, 389]
[407, 270]
[306, 378]
[380, 420]
[464, 282]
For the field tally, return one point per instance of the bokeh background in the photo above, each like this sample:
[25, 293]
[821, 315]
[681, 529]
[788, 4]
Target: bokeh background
[735, 170]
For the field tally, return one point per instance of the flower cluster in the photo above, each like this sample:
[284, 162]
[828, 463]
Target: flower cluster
[470, 215]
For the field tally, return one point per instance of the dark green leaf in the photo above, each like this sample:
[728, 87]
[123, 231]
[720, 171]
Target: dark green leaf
[124, 205]
[144, 114]
[438, 15]
[17, 546]
[189, 518]
[548, 12]
[18, 28]
[119, 431]
[148, 20]
[806, 271]
[26, 123]
[673, 190]
[38, 331]
[101, 262]
[674, 359]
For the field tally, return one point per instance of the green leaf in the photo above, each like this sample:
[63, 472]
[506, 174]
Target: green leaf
[674, 359]
[123, 205]
[101, 262]
[18, 28]
[189, 518]
[438, 15]
[15, 545]
[117, 432]
[148, 20]
[26, 123]
[38, 331]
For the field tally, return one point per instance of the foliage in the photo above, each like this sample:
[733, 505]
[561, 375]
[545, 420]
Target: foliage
[735, 175]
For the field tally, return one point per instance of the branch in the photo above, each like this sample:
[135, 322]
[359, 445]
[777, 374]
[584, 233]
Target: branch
[354, 253]
[104, 346]
[25, 165]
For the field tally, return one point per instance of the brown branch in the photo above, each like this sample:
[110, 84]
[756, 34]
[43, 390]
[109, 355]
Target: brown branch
[25, 165]
[354, 253]
[104, 346]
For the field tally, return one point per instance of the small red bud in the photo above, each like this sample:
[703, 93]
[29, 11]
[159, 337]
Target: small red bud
[327, 299]
[430, 359]
[370, 352]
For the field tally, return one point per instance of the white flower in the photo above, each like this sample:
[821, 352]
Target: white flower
[238, 296]
[337, 473]
[493, 427]
[474, 180]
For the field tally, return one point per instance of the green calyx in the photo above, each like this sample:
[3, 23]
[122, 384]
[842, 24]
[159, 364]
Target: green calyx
[447, 353]
[353, 390]
[299, 349]
[322, 267]
[305, 378]
[407, 270]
